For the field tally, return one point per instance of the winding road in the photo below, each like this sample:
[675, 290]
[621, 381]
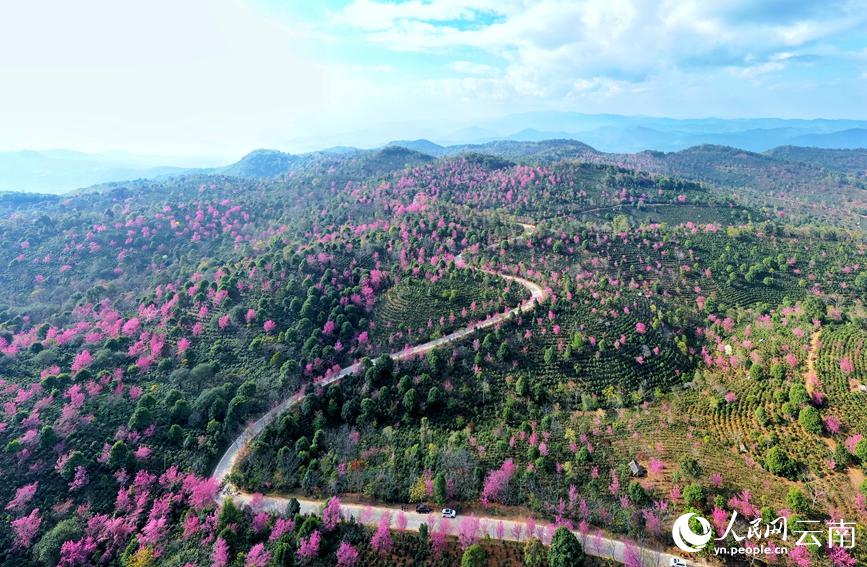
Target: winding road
[597, 545]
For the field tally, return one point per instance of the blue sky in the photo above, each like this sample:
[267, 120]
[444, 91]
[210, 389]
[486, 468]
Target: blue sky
[224, 76]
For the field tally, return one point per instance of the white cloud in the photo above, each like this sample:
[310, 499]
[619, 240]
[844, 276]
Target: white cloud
[225, 76]
[374, 15]
[470, 68]
[547, 45]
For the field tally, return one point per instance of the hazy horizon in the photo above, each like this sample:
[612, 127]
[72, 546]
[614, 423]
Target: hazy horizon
[221, 78]
[367, 139]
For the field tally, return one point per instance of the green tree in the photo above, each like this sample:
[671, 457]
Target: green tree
[535, 554]
[474, 556]
[119, 456]
[636, 492]
[47, 549]
[757, 372]
[141, 417]
[521, 386]
[423, 536]
[810, 420]
[503, 352]
[284, 555]
[410, 401]
[778, 371]
[47, 437]
[694, 495]
[797, 501]
[778, 462]
[814, 308]
[565, 550]
[433, 396]
[690, 467]
[798, 395]
[620, 223]
[175, 434]
[180, 411]
[440, 492]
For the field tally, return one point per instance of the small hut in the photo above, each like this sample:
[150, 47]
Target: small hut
[636, 469]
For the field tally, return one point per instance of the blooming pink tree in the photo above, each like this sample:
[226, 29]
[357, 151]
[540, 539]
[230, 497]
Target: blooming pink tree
[80, 479]
[381, 539]
[258, 556]
[202, 491]
[347, 556]
[220, 555]
[269, 326]
[183, 345]
[631, 555]
[468, 531]
[841, 558]
[26, 528]
[81, 360]
[23, 496]
[331, 514]
[73, 553]
[497, 481]
[401, 521]
[281, 526]
[800, 556]
[846, 365]
[438, 540]
[308, 547]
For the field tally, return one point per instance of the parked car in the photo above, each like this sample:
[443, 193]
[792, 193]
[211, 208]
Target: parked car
[677, 562]
[449, 513]
[423, 509]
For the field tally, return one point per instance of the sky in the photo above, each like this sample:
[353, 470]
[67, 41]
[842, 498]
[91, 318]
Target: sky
[221, 77]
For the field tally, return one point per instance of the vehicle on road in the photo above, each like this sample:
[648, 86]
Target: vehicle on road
[423, 509]
[449, 513]
[677, 562]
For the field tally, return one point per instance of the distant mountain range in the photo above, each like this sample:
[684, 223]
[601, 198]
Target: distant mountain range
[806, 169]
[529, 136]
[59, 171]
[622, 134]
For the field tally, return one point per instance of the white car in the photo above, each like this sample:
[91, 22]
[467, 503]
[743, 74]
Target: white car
[677, 562]
[449, 513]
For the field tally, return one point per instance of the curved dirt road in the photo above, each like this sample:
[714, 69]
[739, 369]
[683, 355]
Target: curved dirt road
[594, 544]
[227, 461]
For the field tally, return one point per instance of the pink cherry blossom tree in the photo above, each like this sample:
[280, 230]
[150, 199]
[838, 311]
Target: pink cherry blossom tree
[331, 514]
[23, 496]
[258, 556]
[308, 547]
[381, 539]
[220, 555]
[26, 528]
[347, 555]
[497, 481]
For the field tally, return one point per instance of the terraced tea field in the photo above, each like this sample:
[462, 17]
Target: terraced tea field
[416, 309]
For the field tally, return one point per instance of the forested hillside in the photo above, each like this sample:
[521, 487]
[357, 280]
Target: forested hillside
[700, 313]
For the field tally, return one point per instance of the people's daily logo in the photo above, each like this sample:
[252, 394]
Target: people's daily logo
[688, 540]
[691, 533]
